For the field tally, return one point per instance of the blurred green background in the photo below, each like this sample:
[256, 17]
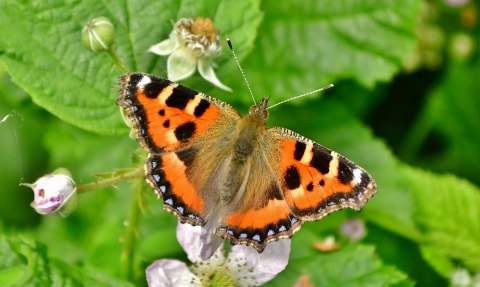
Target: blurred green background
[404, 106]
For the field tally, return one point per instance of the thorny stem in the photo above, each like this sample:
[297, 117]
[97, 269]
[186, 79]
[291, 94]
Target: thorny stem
[111, 181]
[117, 60]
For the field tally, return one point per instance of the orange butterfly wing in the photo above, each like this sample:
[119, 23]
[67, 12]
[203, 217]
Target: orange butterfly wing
[172, 122]
[317, 181]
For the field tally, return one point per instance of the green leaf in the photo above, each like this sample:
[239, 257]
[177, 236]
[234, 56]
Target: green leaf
[9, 276]
[85, 153]
[448, 210]
[41, 270]
[438, 261]
[309, 44]
[453, 111]
[41, 50]
[9, 257]
[353, 265]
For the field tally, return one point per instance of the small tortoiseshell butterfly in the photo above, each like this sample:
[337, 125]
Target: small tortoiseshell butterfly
[208, 163]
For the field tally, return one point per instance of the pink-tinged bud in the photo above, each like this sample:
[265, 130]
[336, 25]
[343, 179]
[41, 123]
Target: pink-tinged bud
[54, 193]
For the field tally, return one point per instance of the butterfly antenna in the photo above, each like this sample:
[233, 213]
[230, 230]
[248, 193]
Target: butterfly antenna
[241, 70]
[296, 97]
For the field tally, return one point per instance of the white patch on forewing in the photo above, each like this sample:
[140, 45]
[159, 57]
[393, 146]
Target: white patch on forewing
[144, 81]
[357, 175]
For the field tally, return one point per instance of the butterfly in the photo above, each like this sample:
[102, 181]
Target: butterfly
[208, 163]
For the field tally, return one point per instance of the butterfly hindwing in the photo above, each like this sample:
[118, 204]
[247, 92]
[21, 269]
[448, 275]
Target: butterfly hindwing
[261, 215]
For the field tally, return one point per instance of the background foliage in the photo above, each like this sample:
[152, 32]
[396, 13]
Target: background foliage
[404, 107]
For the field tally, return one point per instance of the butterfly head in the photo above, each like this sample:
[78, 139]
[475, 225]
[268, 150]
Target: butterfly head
[260, 109]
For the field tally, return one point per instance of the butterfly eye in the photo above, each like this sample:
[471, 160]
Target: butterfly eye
[265, 114]
[252, 109]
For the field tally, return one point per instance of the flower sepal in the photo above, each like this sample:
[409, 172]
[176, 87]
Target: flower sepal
[98, 34]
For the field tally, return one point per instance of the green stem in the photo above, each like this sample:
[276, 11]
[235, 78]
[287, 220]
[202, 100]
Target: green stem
[117, 60]
[126, 259]
[111, 181]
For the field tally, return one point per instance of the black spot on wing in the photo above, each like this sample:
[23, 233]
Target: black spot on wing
[180, 97]
[166, 123]
[161, 112]
[310, 186]
[321, 159]
[185, 131]
[299, 150]
[292, 177]
[154, 88]
[135, 79]
[201, 108]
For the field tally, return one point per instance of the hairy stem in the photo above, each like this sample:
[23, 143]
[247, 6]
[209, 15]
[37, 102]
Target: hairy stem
[117, 60]
[139, 172]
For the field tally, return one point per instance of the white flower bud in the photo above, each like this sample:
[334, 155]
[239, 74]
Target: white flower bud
[54, 193]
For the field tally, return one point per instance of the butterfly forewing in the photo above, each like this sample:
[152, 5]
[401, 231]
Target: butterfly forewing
[317, 181]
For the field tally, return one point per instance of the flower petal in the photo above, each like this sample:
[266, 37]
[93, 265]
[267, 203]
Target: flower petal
[245, 271]
[53, 191]
[189, 238]
[165, 47]
[272, 260]
[206, 70]
[166, 273]
[198, 242]
[180, 65]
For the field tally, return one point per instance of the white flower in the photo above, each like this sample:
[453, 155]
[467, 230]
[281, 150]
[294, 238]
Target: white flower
[54, 193]
[192, 41]
[244, 266]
